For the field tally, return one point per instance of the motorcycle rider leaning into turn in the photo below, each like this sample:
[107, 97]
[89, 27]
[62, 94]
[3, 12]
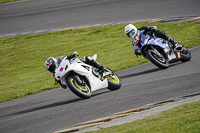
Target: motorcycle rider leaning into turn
[51, 64]
[132, 32]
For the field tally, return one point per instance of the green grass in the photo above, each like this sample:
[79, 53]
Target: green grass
[182, 119]
[7, 1]
[22, 58]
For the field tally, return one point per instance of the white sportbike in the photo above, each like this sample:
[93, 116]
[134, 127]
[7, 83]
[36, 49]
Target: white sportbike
[82, 79]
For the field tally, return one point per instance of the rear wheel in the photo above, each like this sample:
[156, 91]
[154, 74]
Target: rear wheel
[114, 82]
[185, 54]
[156, 59]
[82, 91]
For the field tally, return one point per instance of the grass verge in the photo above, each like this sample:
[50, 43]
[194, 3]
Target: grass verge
[7, 1]
[22, 58]
[182, 119]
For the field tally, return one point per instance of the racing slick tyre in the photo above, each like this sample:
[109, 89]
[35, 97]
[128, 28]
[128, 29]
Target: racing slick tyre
[83, 91]
[114, 82]
[185, 54]
[158, 60]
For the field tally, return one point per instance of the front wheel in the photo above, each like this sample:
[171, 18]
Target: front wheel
[83, 91]
[114, 82]
[156, 59]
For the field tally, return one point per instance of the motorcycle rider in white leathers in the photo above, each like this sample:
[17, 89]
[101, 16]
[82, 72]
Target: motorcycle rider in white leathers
[51, 64]
[132, 32]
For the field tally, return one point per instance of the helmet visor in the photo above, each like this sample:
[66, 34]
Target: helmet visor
[132, 34]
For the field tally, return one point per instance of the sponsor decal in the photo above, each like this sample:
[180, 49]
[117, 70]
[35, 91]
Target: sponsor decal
[171, 56]
[150, 41]
[136, 40]
[179, 54]
[61, 69]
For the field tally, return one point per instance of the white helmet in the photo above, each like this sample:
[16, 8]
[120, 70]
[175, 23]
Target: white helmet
[130, 31]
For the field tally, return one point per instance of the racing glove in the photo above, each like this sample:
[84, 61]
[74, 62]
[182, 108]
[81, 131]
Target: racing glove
[138, 52]
[74, 54]
[153, 29]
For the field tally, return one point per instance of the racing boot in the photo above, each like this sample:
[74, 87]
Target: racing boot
[98, 66]
[173, 42]
[101, 71]
[91, 61]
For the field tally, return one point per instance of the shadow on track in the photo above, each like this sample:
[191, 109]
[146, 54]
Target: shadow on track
[148, 71]
[56, 104]
[96, 93]
[46, 106]
[141, 73]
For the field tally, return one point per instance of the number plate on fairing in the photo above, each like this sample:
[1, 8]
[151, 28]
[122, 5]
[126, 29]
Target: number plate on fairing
[179, 55]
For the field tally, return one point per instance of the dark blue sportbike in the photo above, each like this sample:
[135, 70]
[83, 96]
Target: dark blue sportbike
[161, 53]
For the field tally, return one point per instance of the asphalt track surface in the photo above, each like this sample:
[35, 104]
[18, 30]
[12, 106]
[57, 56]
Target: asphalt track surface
[37, 16]
[142, 85]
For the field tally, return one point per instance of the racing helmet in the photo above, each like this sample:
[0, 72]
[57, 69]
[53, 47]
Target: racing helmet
[130, 31]
[51, 64]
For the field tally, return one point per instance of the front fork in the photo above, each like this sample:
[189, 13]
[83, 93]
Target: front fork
[158, 53]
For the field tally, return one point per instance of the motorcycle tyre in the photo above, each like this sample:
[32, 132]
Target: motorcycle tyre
[184, 56]
[75, 90]
[111, 82]
[155, 61]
